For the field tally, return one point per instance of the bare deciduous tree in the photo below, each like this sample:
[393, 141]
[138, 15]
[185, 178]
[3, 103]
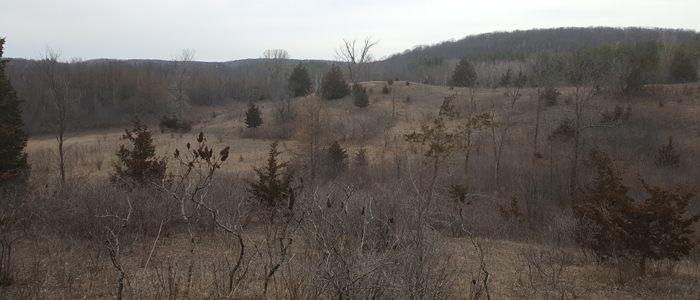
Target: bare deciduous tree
[583, 71]
[277, 72]
[514, 84]
[356, 57]
[56, 81]
[178, 101]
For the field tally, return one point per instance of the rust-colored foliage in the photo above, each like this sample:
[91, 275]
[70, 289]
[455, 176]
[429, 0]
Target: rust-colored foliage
[612, 224]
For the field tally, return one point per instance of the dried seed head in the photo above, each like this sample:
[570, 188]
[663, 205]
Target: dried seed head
[224, 153]
[291, 202]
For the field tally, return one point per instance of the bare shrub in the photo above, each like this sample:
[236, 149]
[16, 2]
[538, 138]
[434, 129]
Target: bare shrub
[546, 275]
[386, 90]
[550, 95]
[618, 116]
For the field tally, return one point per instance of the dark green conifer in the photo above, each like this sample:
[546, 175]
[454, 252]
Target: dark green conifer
[333, 85]
[253, 119]
[300, 81]
[14, 168]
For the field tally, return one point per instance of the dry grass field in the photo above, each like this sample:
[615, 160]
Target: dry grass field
[372, 233]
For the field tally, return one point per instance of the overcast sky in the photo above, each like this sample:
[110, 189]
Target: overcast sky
[224, 30]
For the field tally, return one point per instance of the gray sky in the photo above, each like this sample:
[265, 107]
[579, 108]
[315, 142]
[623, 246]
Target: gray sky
[221, 30]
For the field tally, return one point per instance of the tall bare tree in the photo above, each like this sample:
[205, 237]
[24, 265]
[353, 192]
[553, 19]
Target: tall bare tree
[55, 79]
[356, 57]
[583, 72]
[276, 67]
[178, 101]
[514, 85]
[544, 72]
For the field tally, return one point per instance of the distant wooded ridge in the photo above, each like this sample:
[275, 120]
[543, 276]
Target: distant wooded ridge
[101, 91]
[507, 44]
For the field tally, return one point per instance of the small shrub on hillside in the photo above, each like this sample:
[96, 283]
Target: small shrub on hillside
[253, 118]
[386, 90]
[360, 160]
[175, 124]
[337, 159]
[359, 95]
[619, 115]
[390, 81]
[428, 80]
[139, 165]
[510, 212]
[550, 96]
[565, 131]
[407, 83]
[667, 156]
[408, 99]
[273, 180]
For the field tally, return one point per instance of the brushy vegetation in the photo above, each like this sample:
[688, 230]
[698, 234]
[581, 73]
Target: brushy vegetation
[408, 198]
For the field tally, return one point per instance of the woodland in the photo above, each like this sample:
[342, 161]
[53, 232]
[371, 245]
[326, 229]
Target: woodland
[540, 164]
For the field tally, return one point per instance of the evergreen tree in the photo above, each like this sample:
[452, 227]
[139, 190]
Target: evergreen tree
[667, 156]
[682, 69]
[140, 164]
[273, 180]
[253, 119]
[337, 159]
[613, 224]
[463, 74]
[333, 85]
[300, 81]
[359, 94]
[14, 168]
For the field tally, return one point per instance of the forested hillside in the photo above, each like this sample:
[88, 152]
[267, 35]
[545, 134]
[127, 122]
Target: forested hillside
[97, 93]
